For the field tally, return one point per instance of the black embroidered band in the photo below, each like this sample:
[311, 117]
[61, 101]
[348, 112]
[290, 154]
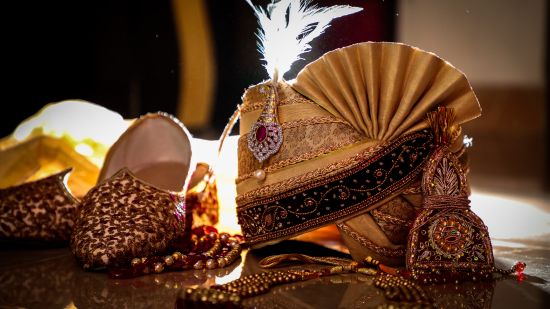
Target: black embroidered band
[350, 192]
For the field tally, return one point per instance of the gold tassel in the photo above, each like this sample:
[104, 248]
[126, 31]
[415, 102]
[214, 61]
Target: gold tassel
[441, 121]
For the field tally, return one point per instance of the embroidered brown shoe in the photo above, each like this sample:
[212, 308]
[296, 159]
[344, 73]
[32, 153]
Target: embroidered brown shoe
[38, 210]
[137, 208]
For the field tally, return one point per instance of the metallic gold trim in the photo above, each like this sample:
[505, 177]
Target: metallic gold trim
[315, 174]
[414, 189]
[367, 243]
[302, 157]
[294, 160]
[253, 106]
[252, 198]
[312, 121]
[382, 216]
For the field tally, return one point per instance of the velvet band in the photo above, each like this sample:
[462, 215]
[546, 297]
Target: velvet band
[336, 197]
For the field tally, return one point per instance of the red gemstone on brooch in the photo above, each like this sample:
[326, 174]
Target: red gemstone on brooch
[264, 139]
[261, 133]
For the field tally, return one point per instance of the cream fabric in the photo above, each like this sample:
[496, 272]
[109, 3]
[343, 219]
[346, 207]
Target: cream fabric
[384, 90]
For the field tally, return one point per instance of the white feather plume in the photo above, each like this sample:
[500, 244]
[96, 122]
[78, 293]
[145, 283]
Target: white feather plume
[288, 26]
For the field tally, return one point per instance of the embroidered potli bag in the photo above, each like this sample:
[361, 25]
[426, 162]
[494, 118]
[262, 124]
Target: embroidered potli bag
[447, 240]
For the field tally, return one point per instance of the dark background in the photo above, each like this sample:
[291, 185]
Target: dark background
[124, 54]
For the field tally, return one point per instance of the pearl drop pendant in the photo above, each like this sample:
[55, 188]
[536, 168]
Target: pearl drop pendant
[259, 174]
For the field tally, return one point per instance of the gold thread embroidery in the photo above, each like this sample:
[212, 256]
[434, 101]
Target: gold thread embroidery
[312, 121]
[447, 235]
[252, 106]
[245, 200]
[292, 182]
[315, 223]
[303, 139]
[306, 122]
[294, 160]
[271, 225]
[367, 243]
[380, 215]
[415, 189]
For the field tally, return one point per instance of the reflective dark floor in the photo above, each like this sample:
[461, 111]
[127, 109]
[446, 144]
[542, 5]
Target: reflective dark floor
[520, 227]
[50, 278]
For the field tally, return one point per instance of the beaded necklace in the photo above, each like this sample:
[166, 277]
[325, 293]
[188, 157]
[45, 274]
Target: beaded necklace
[398, 286]
[206, 249]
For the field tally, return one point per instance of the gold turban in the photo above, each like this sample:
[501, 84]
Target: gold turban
[355, 140]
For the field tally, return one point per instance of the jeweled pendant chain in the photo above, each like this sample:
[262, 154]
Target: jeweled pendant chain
[395, 283]
[230, 295]
[266, 134]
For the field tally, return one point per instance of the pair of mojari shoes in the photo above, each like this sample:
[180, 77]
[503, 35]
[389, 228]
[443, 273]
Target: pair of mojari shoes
[136, 209]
